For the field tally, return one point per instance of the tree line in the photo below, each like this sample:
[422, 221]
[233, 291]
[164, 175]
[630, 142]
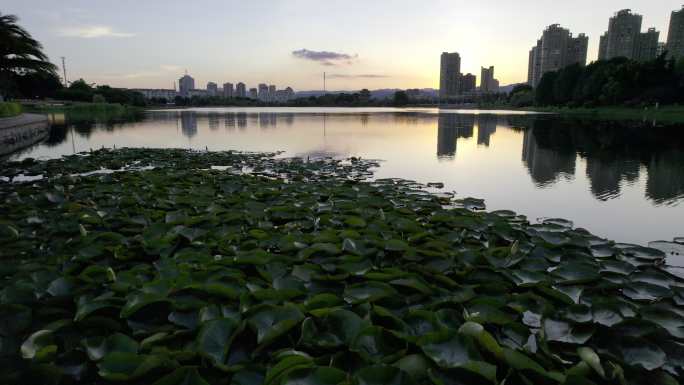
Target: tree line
[615, 82]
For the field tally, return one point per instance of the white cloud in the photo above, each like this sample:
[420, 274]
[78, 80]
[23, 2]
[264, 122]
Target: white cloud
[93, 31]
[164, 70]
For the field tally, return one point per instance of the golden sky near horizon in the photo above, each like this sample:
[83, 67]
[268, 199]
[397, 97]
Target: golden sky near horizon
[360, 44]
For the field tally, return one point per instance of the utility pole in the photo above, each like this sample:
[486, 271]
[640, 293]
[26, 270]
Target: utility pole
[324, 89]
[66, 82]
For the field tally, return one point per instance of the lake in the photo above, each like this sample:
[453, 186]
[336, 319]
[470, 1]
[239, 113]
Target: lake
[620, 180]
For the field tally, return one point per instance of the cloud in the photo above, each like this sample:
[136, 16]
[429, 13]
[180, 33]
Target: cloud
[325, 58]
[359, 76]
[163, 71]
[93, 31]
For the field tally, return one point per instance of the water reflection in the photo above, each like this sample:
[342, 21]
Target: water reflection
[624, 181]
[616, 154]
[611, 156]
[486, 127]
[188, 121]
[451, 128]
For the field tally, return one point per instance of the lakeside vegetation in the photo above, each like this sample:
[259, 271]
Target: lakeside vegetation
[8, 109]
[665, 114]
[302, 272]
[616, 82]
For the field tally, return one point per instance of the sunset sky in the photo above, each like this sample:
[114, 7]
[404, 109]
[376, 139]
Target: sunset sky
[359, 43]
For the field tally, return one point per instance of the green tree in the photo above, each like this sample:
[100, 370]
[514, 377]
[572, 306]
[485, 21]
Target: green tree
[19, 53]
[401, 98]
[544, 95]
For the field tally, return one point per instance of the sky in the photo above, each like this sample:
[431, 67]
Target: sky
[358, 43]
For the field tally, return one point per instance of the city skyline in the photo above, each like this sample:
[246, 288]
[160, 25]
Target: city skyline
[99, 42]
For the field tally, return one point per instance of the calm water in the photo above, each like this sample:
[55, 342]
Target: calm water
[624, 181]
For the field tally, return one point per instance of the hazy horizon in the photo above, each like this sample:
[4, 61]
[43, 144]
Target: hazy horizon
[383, 44]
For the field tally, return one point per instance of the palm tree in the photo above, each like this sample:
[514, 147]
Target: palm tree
[19, 52]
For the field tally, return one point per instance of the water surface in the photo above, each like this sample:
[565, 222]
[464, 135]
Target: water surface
[624, 181]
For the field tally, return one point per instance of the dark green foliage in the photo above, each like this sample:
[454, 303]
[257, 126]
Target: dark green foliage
[9, 109]
[614, 82]
[304, 273]
[81, 91]
[20, 54]
[400, 98]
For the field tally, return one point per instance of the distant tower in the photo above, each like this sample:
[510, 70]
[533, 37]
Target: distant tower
[675, 36]
[228, 91]
[185, 84]
[212, 89]
[241, 90]
[449, 73]
[487, 82]
[556, 49]
[625, 39]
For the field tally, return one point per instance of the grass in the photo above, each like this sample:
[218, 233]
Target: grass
[89, 111]
[667, 114]
[9, 109]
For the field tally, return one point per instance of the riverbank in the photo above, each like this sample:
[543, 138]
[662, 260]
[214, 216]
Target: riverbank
[22, 131]
[666, 114]
[219, 267]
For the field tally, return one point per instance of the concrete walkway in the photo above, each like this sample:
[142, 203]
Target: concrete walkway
[22, 131]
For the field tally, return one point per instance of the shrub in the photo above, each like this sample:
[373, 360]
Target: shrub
[9, 109]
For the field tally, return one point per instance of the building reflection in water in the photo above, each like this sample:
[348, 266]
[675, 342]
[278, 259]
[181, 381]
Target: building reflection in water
[188, 123]
[242, 120]
[214, 121]
[546, 164]
[229, 121]
[615, 154]
[450, 128]
[486, 127]
[612, 154]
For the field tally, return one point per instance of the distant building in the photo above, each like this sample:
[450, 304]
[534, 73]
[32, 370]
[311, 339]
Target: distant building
[625, 39]
[253, 93]
[263, 92]
[185, 84]
[675, 36]
[450, 70]
[241, 90]
[212, 89]
[228, 91]
[289, 93]
[556, 49]
[662, 47]
[647, 47]
[271, 93]
[155, 93]
[198, 93]
[487, 82]
[468, 83]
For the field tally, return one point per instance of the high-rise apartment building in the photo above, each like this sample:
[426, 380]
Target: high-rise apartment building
[675, 35]
[263, 92]
[212, 89]
[228, 90]
[625, 39]
[271, 93]
[450, 70]
[647, 46]
[241, 90]
[487, 82]
[185, 84]
[468, 83]
[253, 93]
[556, 49]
